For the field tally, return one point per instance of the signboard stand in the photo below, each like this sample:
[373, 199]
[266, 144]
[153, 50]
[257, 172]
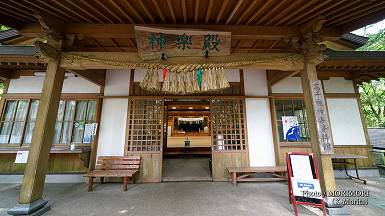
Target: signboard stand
[303, 181]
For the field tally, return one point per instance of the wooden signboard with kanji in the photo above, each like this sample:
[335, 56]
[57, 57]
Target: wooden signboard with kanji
[153, 42]
[325, 138]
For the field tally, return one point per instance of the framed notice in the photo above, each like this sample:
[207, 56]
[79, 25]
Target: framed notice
[303, 181]
[21, 157]
[291, 129]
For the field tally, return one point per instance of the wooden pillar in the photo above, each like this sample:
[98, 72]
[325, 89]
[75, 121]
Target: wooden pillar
[31, 192]
[324, 162]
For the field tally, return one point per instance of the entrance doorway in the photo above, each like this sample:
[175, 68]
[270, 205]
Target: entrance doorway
[187, 140]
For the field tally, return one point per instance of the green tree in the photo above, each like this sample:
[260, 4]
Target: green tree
[373, 102]
[376, 42]
[3, 28]
[373, 93]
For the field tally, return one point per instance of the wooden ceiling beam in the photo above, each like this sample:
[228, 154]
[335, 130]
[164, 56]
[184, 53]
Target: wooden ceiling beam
[295, 13]
[98, 12]
[223, 7]
[159, 11]
[312, 10]
[96, 76]
[208, 12]
[263, 8]
[5, 74]
[321, 11]
[278, 76]
[236, 8]
[55, 9]
[147, 11]
[196, 12]
[171, 9]
[271, 12]
[248, 10]
[134, 11]
[122, 11]
[10, 21]
[355, 12]
[184, 11]
[284, 12]
[127, 30]
[101, 4]
[359, 23]
[65, 6]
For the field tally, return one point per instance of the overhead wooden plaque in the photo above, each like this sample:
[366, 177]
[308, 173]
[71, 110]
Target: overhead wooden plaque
[153, 42]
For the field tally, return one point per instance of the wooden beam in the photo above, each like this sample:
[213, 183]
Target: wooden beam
[147, 11]
[159, 11]
[5, 74]
[184, 11]
[208, 13]
[98, 12]
[10, 22]
[97, 77]
[265, 5]
[270, 12]
[34, 175]
[169, 3]
[122, 11]
[133, 11]
[360, 22]
[235, 9]
[248, 10]
[196, 11]
[280, 75]
[127, 30]
[324, 162]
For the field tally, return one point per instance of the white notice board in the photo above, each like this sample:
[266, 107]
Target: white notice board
[21, 157]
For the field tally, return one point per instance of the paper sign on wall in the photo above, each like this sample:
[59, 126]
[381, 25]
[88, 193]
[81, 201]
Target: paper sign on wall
[89, 131]
[290, 128]
[21, 157]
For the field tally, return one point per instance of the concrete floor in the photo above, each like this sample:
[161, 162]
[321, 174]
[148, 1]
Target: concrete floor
[185, 198]
[186, 168]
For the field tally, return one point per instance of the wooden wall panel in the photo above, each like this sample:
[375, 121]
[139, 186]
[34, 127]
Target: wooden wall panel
[222, 160]
[150, 167]
[358, 150]
[58, 163]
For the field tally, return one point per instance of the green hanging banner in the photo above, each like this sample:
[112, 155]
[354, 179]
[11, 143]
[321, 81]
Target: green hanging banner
[199, 77]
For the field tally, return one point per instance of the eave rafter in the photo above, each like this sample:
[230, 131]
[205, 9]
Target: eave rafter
[127, 30]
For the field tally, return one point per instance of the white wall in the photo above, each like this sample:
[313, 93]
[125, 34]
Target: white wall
[259, 132]
[113, 121]
[338, 85]
[34, 84]
[345, 121]
[117, 82]
[113, 127]
[255, 82]
[288, 85]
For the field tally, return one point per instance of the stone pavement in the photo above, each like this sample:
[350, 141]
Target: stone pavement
[186, 198]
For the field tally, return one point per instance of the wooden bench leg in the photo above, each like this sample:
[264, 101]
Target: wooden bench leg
[101, 180]
[234, 177]
[125, 183]
[90, 183]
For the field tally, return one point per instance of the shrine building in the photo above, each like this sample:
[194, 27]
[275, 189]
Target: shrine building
[202, 84]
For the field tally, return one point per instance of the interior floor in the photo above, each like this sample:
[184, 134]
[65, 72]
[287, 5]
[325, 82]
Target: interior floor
[186, 168]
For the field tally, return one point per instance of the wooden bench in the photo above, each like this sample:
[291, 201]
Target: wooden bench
[114, 166]
[278, 171]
